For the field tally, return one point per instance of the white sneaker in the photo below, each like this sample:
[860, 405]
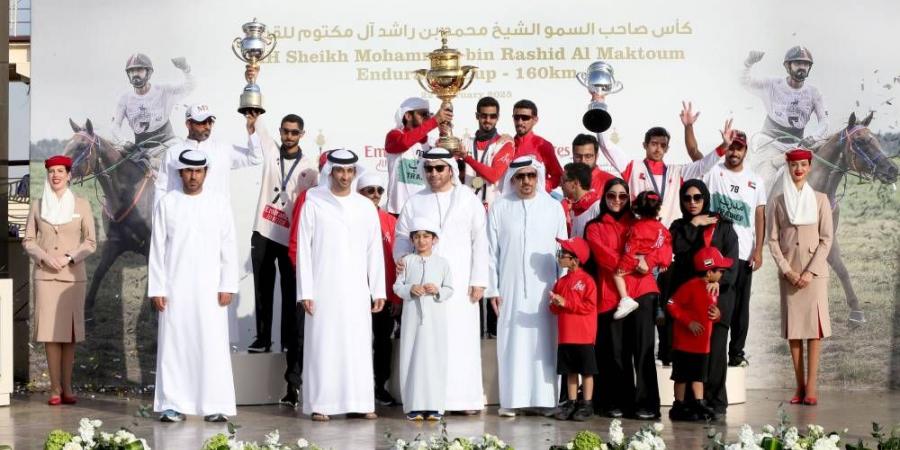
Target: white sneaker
[506, 412]
[626, 306]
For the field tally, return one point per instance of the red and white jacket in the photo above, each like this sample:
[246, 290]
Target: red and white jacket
[488, 160]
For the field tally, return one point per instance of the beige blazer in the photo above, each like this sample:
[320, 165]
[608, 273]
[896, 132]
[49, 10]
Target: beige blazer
[800, 247]
[76, 238]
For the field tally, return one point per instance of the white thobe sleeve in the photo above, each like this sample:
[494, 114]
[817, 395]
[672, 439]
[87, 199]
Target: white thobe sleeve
[480, 247]
[401, 287]
[228, 260]
[562, 230]
[305, 232]
[402, 244]
[446, 289]
[251, 155]
[700, 167]
[156, 266]
[375, 255]
[613, 153]
[493, 235]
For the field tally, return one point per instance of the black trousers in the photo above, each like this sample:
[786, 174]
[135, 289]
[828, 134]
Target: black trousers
[740, 318]
[714, 389]
[382, 347]
[613, 385]
[487, 318]
[638, 337]
[264, 255]
[664, 330]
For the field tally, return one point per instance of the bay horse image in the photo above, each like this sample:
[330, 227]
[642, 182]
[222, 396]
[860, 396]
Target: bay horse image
[854, 151]
[126, 202]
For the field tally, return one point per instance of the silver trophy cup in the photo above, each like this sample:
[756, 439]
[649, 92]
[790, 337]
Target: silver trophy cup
[255, 46]
[599, 78]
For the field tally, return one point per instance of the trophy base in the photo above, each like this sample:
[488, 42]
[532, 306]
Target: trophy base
[450, 143]
[251, 101]
[596, 119]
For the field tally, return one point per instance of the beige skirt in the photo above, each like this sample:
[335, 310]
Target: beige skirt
[59, 311]
[804, 312]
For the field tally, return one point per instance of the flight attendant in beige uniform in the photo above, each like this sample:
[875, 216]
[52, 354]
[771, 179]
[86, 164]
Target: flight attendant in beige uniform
[59, 235]
[800, 236]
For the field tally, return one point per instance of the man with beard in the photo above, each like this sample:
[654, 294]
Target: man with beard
[147, 106]
[789, 102]
[222, 157]
[585, 149]
[463, 242]
[488, 156]
[738, 195]
[287, 172]
[525, 117]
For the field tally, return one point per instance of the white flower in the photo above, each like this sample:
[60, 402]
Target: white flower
[455, 446]
[827, 443]
[570, 446]
[272, 438]
[733, 447]
[302, 443]
[658, 427]
[72, 446]
[399, 444]
[604, 447]
[616, 435]
[768, 429]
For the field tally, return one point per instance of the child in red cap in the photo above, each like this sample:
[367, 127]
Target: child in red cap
[574, 301]
[694, 309]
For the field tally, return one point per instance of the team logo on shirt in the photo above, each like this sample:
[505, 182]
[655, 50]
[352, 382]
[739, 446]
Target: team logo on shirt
[751, 185]
[579, 286]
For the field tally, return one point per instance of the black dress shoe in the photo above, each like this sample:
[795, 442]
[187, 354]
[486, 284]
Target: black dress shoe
[259, 346]
[614, 413]
[703, 411]
[565, 410]
[292, 398]
[583, 411]
[384, 398]
[645, 414]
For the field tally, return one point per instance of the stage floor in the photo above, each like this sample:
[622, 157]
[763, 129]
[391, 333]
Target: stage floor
[29, 419]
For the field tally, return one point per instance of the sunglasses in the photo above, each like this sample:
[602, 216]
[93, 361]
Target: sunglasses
[688, 198]
[291, 132]
[524, 175]
[488, 115]
[371, 190]
[522, 117]
[437, 168]
[209, 121]
[622, 196]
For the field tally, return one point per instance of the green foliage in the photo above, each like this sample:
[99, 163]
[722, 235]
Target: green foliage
[57, 439]
[587, 440]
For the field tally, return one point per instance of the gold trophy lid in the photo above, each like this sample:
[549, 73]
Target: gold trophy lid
[444, 58]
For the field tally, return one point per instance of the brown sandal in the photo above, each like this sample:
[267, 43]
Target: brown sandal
[316, 417]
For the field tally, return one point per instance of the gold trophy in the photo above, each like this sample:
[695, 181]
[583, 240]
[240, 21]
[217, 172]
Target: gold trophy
[252, 48]
[444, 80]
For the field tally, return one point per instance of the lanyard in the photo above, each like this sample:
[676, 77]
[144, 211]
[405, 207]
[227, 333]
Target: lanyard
[662, 193]
[284, 179]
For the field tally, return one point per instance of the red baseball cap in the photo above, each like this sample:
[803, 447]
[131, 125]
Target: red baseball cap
[576, 246]
[58, 160]
[711, 258]
[739, 138]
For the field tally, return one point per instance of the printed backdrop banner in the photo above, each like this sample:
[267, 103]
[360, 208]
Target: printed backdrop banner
[346, 66]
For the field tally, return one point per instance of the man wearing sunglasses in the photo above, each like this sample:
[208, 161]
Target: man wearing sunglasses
[221, 156]
[739, 195]
[288, 171]
[525, 117]
[461, 218]
[403, 146]
[523, 226]
[488, 155]
[371, 186]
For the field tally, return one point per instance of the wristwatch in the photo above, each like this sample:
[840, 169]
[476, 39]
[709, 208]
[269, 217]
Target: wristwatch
[71, 259]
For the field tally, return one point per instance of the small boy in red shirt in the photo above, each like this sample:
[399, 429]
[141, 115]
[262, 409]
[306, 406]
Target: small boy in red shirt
[574, 301]
[693, 306]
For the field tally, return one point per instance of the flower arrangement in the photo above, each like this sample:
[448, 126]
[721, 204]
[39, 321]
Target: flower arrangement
[782, 437]
[647, 438]
[272, 441]
[90, 438]
[444, 442]
[883, 440]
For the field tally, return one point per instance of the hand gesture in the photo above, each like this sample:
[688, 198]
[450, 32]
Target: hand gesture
[417, 289]
[642, 266]
[712, 289]
[445, 114]
[52, 263]
[401, 266]
[688, 116]
[792, 277]
[695, 328]
[702, 220]
[804, 280]
[727, 134]
[251, 115]
[753, 57]
[309, 306]
[431, 288]
[756, 260]
[181, 64]
[445, 129]
[557, 299]
[224, 298]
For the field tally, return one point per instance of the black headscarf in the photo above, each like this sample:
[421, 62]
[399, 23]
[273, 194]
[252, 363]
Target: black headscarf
[704, 191]
[605, 209]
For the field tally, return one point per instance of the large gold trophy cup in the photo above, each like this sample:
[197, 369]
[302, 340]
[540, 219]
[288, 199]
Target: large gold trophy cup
[444, 80]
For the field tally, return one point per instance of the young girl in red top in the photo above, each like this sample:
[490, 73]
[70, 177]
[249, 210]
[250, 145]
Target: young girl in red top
[574, 301]
[647, 245]
[693, 306]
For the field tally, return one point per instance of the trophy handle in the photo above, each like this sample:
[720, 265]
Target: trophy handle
[271, 42]
[235, 47]
[467, 70]
[420, 75]
[582, 78]
[617, 88]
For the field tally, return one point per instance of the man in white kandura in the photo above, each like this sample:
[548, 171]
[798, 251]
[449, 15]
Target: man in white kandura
[463, 242]
[340, 282]
[523, 226]
[193, 272]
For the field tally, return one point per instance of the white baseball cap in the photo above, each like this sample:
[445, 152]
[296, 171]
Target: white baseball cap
[199, 112]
